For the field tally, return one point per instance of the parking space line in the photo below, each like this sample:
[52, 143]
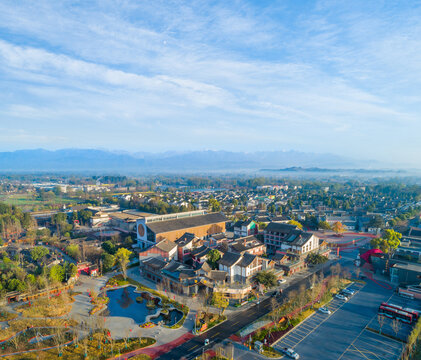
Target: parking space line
[383, 345]
[360, 353]
[301, 331]
[287, 343]
[296, 338]
[366, 351]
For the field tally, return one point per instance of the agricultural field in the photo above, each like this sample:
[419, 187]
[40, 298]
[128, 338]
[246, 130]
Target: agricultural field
[31, 202]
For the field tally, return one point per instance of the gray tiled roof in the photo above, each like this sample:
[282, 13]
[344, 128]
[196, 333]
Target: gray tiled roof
[166, 245]
[229, 259]
[155, 263]
[246, 260]
[187, 222]
[280, 227]
[218, 275]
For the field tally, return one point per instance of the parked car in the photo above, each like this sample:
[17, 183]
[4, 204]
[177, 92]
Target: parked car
[325, 310]
[290, 353]
[348, 292]
[341, 297]
[281, 281]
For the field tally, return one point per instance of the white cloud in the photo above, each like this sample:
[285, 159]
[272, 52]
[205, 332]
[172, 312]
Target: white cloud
[193, 69]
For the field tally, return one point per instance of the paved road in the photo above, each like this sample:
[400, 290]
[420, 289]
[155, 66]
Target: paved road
[342, 335]
[235, 322]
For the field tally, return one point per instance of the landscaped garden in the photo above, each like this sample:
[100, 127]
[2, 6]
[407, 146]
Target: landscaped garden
[143, 304]
[49, 306]
[97, 345]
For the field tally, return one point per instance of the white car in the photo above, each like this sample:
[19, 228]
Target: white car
[290, 353]
[325, 310]
[341, 297]
[348, 291]
[281, 281]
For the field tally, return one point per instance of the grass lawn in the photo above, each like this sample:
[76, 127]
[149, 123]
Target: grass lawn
[7, 316]
[93, 347]
[29, 201]
[21, 324]
[21, 341]
[47, 307]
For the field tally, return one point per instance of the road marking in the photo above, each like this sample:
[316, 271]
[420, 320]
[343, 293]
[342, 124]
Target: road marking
[352, 344]
[371, 344]
[193, 347]
[215, 335]
[366, 351]
[341, 304]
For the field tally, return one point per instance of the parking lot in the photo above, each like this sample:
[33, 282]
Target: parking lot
[302, 331]
[343, 334]
[387, 327]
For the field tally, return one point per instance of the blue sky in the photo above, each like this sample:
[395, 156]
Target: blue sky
[341, 77]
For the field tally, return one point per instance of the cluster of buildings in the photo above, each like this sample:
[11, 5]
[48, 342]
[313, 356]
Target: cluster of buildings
[404, 264]
[190, 252]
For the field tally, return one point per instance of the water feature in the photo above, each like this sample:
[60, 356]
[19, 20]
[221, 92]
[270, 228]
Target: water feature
[123, 303]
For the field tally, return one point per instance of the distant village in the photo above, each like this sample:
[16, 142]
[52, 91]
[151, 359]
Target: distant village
[217, 239]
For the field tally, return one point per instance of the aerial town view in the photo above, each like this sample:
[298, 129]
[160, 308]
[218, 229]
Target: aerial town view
[210, 180]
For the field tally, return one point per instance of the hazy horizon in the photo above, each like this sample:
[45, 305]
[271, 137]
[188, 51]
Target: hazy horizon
[323, 77]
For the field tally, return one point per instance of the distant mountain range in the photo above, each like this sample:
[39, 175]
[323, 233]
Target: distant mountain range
[194, 161]
[297, 169]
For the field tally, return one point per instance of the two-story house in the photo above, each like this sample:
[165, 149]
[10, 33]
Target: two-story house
[289, 238]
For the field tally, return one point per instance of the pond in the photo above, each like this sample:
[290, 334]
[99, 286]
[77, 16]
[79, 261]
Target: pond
[123, 303]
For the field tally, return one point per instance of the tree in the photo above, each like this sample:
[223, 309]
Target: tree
[27, 221]
[39, 252]
[272, 208]
[213, 257]
[376, 222]
[338, 228]
[108, 261]
[388, 242]
[296, 223]
[16, 285]
[396, 326]
[314, 259]
[84, 216]
[380, 320]
[266, 278]
[57, 273]
[70, 270]
[219, 300]
[214, 205]
[73, 251]
[109, 247]
[324, 225]
[59, 219]
[122, 257]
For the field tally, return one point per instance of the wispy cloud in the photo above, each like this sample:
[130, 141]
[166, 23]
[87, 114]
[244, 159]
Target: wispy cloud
[313, 76]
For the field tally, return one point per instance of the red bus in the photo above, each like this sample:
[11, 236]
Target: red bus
[414, 313]
[393, 313]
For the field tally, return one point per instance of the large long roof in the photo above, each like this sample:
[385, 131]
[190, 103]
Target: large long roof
[185, 223]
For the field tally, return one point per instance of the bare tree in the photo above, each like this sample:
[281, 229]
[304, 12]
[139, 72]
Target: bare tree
[301, 296]
[15, 340]
[380, 320]
[357, 272]
[138, 333]
[59, 338]
[396, 326]
[86, 345]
